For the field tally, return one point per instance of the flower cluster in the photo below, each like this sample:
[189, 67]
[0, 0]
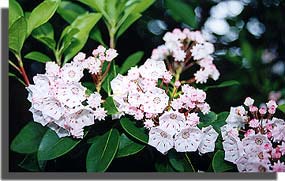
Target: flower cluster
[188, 48]
[170, 116]
[60, 101]
[254, 140]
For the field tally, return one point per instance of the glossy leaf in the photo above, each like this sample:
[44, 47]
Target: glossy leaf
[28, 139]
[69, 11]
[38, 56]
[52, 146]
[163, 166]
[84, 23]
[128, 147]
[31, 163]
[282, 108]
[133, 130]
[45, 34]
[127, 23]
[219, 164]
[41, 14]
[96, 35]
[224, 84]
[110, 106]
[15, 11]
[17, 35]
[142, 5]
[179, 162]
[102, 151]
[131, 61]
[182, 12]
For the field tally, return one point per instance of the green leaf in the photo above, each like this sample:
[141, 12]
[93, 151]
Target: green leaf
[15, 11]
[28, 139]
[69, 11]
[110, 106]
[45, 34]
[17, 78]
[102, 151]
[17, 35]
[127, 23]
[143, 5]
[133, 130]
[179, 162]
[247, 51]
[163, 166]
[131, 61]
[211, 116]
[182, 12]
[219, 164]
[38, 56]
[282, 108]
[224, 84]
[52, 146]
[96, 35]
[128, 147]
[41, 14]
[84, 23]
[32, 164]
[90, 86]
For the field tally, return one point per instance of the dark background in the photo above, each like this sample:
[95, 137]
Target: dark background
[256, 78]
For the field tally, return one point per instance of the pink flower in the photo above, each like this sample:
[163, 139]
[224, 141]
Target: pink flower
[271, 105]
[275, 153]
[249, 132]
[262, 110]
[278, 166]
[193, 119]
[253, 109]
[254, 123]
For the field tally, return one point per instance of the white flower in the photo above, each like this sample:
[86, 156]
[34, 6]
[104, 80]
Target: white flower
[153, 69]
[188, 139]
[61, 132]
[155, 101]
[119, 85]
[94, 100]
[248, 101]
[203, 50]
[111, 54]
[52, 69]
[208, 140]
[148, 123]
[52, 108]
[236, 117]
[245, 164]
[233, 149]
[133, 73]
[160, 139]
[100, 113]
[70, 72]
[172, 121]
[94, 65]
[72, 94]
[193, 119]
[80, 57]
[252, 143]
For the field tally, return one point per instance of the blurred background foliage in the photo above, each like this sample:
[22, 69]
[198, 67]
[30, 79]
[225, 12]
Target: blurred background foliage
[250, 48]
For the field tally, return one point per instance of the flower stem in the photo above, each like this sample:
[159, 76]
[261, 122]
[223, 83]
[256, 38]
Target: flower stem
[189, 161]
[22, 69]
[177, 77]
